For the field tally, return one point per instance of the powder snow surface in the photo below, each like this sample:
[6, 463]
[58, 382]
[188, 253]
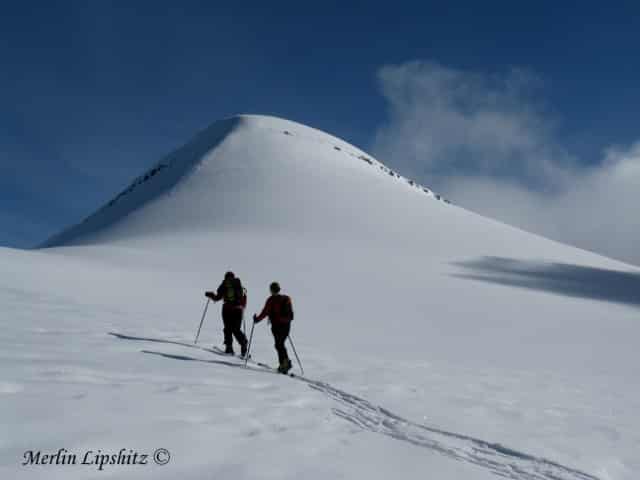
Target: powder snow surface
[436, 343]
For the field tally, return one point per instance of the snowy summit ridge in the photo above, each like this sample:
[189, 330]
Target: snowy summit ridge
[211, 180]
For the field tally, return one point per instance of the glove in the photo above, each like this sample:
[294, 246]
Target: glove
[255, 318]
[209, 295]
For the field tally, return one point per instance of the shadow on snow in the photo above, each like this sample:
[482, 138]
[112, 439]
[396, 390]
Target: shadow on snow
[559, 278]
[498, 459]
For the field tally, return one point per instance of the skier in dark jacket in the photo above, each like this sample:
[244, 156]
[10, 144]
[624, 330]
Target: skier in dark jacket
[234, 300]
[279, 309]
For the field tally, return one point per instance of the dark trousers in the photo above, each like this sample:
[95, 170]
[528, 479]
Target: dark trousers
[232, 320]
[280, 333]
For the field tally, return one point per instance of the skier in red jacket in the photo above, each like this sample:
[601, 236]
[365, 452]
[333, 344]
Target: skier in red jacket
[279, 309]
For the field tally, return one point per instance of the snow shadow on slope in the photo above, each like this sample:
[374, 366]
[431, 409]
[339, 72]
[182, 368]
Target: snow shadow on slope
[122, 336]
[226, 363]
[494, 457]
[560, 278]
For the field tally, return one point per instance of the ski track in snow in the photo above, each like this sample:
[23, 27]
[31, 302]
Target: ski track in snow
[498, 459]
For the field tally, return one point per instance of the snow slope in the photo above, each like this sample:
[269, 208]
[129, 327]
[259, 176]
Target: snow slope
[435, 342]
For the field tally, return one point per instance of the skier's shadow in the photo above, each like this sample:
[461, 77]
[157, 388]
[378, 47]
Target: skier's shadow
[172, 356]
[160, 340]
[192, 359]
[594, 283]
[226, 363]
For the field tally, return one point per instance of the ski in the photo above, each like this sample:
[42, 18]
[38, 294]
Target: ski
[274, 370]
[219, 351]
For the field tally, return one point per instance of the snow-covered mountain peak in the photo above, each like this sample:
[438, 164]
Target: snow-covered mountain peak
[251, 171]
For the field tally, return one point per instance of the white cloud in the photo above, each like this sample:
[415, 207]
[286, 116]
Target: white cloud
[483, 141]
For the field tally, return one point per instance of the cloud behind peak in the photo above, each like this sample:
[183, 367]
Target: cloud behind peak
[490, 142]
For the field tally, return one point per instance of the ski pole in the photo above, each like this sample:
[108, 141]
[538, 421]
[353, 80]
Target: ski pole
[246, 358]
[296, 354]
[203, 315]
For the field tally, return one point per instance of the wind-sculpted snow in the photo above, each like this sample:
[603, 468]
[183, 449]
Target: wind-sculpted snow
[498, 459]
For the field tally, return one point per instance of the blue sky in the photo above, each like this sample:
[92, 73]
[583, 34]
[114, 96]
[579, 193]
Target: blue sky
[91, 93]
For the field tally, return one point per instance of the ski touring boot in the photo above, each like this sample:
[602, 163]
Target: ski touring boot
[285, 366]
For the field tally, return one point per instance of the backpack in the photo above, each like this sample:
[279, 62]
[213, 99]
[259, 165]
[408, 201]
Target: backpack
[235, 293]
[286, 308]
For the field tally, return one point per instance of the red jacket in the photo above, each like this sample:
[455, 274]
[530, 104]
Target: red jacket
[273, 309]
